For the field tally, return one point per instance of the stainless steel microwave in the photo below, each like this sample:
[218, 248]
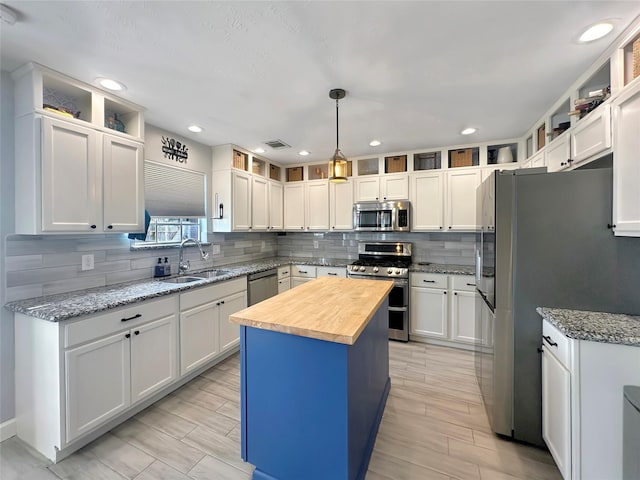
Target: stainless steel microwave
[392, 216]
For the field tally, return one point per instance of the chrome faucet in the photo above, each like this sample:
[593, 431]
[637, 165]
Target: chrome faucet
[184, 266]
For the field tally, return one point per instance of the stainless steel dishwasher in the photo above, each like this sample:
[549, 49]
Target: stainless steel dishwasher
[262, 285]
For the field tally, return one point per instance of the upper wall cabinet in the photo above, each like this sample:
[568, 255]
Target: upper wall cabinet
[74, 174]
[626, 165]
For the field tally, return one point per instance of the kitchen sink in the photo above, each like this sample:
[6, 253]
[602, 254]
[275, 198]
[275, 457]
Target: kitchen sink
[183, 279]
[211, 273]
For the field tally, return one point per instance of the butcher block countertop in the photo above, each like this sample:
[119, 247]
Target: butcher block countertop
[328, 308]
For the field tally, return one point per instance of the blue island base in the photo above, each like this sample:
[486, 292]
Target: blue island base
[311, 408]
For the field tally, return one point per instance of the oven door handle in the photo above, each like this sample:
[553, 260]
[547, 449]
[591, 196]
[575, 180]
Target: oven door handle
[397, 309]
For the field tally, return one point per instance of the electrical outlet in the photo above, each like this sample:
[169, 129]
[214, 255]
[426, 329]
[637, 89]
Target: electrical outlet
[87, 262]
[215, 249]
[315, 244]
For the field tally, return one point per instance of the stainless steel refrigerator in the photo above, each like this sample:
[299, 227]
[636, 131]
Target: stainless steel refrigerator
[544, 241]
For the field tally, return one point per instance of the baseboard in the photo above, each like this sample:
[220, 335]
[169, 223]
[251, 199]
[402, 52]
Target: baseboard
[7, 429]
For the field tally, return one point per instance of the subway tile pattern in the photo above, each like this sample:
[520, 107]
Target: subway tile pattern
[595, 326]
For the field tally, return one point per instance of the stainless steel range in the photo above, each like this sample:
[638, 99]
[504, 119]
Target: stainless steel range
[388, 261]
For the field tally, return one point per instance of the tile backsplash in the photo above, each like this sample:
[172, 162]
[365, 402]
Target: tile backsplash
[45, 265]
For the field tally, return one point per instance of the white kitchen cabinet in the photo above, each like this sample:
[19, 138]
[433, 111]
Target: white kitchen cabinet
[294, 210]
[260, 202]
[461, 199]
[539, 160]
[556, 409]
[284, 279]
[626, 164]
[75, 175]
[591, 136]
[382, 187]
[558, 154]
[462, 310]
[77, 376]
[205, 330]
[276, 205]
[241, 201]
[427, 199]
[582, 406]
[89, 369]
[317, 205]
[341, 205]
[301, 274]
[338, 272]
[76, 179]
[443, 308]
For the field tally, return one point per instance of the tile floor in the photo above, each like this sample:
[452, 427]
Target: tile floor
[434, 427]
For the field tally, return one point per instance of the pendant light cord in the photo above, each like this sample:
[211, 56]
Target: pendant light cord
[337, 129]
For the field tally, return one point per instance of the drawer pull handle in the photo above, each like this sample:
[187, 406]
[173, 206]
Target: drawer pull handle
[222, 302]
[137, 332]
[131, 318]
[549, 341]
[333, 274]
[429, 281]
[127, 335]
[471, 284]
[302, 271]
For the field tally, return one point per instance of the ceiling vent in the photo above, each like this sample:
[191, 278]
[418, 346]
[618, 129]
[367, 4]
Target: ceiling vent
[277, 144]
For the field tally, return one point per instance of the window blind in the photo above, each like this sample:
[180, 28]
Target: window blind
[173, 191]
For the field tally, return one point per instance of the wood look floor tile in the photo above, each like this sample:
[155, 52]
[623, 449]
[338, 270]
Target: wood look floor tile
[493, 442]
[199, 397]
[118, 455]
[166, 422]
[161, 471]
[211, 468]
[503, 461]
[199, 415]
[230, 409]
[389, 466]
[173, 452]
[84, 466]
[398, 405]
[429, 424]
[219, 446]
[19, 461]
[235, 434]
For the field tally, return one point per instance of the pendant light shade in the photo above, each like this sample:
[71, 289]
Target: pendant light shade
[338, 163]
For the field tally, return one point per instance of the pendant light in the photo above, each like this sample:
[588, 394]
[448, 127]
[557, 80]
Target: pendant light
[338, 163]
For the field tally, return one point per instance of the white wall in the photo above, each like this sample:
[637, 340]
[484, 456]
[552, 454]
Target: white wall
[7, 407]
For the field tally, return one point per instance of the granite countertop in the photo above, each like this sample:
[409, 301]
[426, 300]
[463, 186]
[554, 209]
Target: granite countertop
[595, 326]
[444, 269]
[306, 313]
[63, 306]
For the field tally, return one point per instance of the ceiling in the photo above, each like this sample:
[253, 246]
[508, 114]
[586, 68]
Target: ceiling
[416, 73]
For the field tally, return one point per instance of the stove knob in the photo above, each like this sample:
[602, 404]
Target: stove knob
[353, 268]
[397, 271]
[362, 269]
[389, 271]
[375, 269]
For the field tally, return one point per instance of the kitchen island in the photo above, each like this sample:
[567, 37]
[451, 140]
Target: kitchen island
[315, 379]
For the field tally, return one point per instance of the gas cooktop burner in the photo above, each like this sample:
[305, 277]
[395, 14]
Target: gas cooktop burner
[382, 259]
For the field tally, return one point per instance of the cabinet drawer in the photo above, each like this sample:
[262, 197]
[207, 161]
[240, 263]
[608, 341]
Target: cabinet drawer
[97, 326]
[284, 272]
[429, 280]
[200, 296]
[465, 283]
[306, 271]
[331, 272]
[562, 349]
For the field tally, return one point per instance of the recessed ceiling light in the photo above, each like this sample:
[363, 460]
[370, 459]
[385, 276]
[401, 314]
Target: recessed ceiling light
[194, 128]
[375, 143]
[594, 32]
[259, 150]
[468, 131]
[111, 84]
[304, 153]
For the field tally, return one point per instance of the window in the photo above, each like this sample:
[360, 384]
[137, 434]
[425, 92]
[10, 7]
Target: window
[168, 231]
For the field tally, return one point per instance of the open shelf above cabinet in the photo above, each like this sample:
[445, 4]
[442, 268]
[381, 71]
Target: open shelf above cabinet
[503, 153]
[368, 166]
[464, 157]
[560, 120]
[395, 164]
[631, 54]
[427, 161]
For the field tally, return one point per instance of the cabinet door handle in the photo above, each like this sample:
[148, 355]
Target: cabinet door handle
[217, 304]
[444, 293]
[131, 318]
[302, 271]
[471, 284]
[429, 281]
[137, 332]
[127, 335]
[332, 274]
[222, 302]
[609, 225]
[110, 227]
[549, 341]
[93, 226]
